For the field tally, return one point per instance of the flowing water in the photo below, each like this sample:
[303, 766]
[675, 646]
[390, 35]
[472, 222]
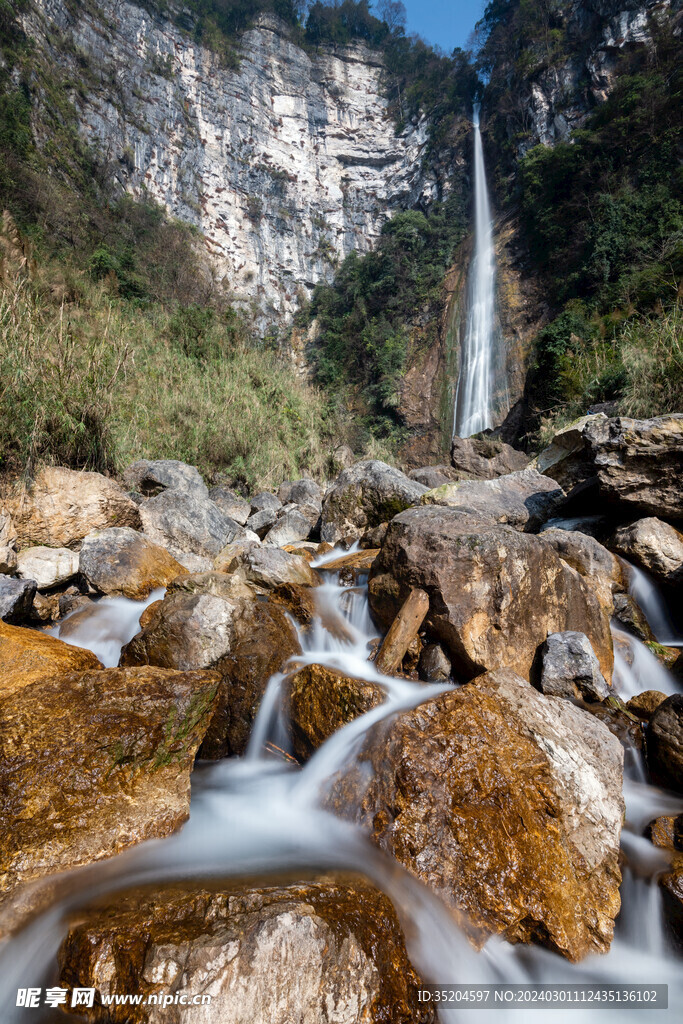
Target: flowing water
[477, 382]
[260, 817]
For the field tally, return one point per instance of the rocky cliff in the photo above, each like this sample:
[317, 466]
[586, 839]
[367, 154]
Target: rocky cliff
[285, 164]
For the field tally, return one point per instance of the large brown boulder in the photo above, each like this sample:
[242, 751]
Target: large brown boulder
[483, 458]
[665, 743]
[27, 655]
[122, 561]
[654, 546]
[327, 950]
[319, 700]
[61, 506]
[495, 593]
[600, 569]
[367, 494]
[525, 499]
[94, 761]
[506, 803]
[633, 463]
[214, 620]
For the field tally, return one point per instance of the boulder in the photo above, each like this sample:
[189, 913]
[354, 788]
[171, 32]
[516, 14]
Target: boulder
[187, 523]
[495, 593]
[231, 504]
[484, 458]
[47, 566]
[8, 543]
[506, 803]
[524, 500]
[329, 949]
[151, 477]
[27, 655]
[434, 476]
[62, 506]
[265, 500]
[318, 700]
[568, 668]
[628, 613]
[665, 743]
[8, 560]
[292, 526]
[261, 522]
[301, 492]
[121, 561]
[94, 761]
[16, 598]
[367, 494]
[644, 704]
[214, 620]
[653, 545]
[434, 665]
[228, 559]
[599, 567]
[271, 567]
[672, 904]
[628, 462]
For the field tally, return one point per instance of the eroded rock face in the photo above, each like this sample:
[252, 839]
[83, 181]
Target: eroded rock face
[632, 463]
[328, 950]
[301, 492]
[214, 620]
[188, 523]
[230, 504]
[151, 477]
[495, 593]
[665, 743]
[524, 500]
[569, 668]
[505, 802]
[367, 494]
[94, 761]
[483, 458]
[598, 566]
[320, 700]
[63, 505]
[122, 561]
[654, 546]
[27, 655]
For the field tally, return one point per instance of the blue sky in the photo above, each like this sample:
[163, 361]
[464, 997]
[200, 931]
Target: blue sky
[444, 23]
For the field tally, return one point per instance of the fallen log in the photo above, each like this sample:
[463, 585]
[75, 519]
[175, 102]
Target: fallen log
[402, 631]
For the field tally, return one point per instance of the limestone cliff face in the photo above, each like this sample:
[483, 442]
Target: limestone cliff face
[285, 164]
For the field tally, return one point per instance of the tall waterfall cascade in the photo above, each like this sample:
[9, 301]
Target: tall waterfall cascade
[477, 383]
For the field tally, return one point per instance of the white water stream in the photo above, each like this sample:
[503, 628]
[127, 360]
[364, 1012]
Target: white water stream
[259, 817]
[474, 393]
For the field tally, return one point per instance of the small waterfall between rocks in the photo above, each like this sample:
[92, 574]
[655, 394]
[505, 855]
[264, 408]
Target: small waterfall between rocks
[477, 380]
[255, 816]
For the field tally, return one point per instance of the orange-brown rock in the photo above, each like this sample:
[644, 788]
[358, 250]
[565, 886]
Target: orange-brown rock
[121, 561]
[92, 762]
[27, 655]
[644, 704]
[506, 803]
[356, 560]
[330, 949]
[495, 593]
[319, 700]
[61, 506]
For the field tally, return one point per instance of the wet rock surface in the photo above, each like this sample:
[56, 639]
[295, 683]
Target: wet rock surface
[524, 500]
[330, 949]
[665, 743]
[61, 506]
[319, 700]
[27, 655]
[94, 761]
[506, 803]
[122, 561]
[495, 593]
[362, 497]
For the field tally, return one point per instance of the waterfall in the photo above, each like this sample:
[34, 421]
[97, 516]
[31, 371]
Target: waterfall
[474, 395]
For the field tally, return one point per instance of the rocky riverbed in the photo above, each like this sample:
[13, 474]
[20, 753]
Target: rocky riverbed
[411, 707]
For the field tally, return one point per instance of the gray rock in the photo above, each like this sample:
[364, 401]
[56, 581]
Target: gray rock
[8, 534]
[301, 492]
[8, 560]
[291, 527]
[265, 500]
[16, 598]
[367, 494]
[524, 500]
[187, 523]
[628, 613]
[653, 545]
[152, 477]
[271, 567]
[434, 665]
[569, 668]
[124, 562]
[230, 504]
[484, 458]
[434, 476]
[47, 566]
[665, 743]
[261, 522]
